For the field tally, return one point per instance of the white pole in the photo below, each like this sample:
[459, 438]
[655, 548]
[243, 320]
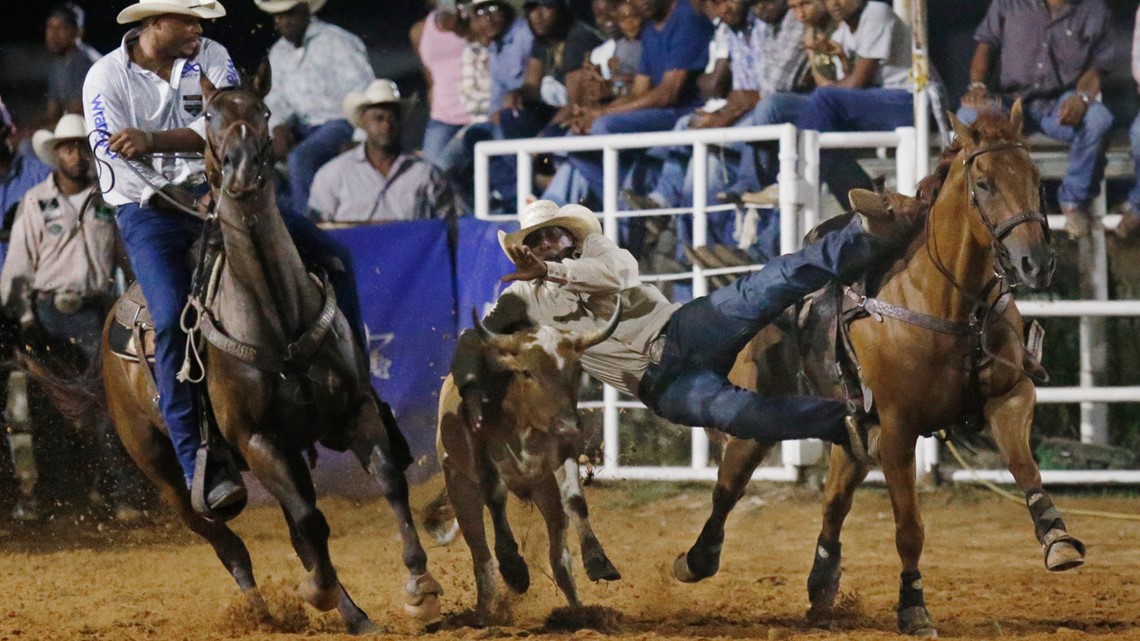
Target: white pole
[904, 161]
[809, 193]
[610, 192]
[523, 179]
[482, 185]
[610, 443]
[788, 179]
[1093, 356]
[699, 443]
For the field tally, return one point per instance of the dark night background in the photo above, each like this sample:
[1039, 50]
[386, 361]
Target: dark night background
[383, 25]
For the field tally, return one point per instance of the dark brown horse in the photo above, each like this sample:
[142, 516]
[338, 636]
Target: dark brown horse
[950, 342]
[269, 311]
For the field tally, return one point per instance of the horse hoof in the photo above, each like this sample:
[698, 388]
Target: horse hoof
[422, 600]
[515, 574]
[1063, 551]
[323, 599]
[915, 621]
[364, 626]
[684, 573]
[443, 533]
[599, 568]
[428, 608]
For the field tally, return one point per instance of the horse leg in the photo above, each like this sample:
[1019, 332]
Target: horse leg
[548, 498]
[467, 501]
[374, 451]
[597, 564]
[844, 475]
[897, 458]
[741, 457]
[1011, 418]
[356, 621]
[512, 567]
[277, 472]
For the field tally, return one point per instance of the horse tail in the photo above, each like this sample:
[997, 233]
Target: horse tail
[74, 391]
[438, 517]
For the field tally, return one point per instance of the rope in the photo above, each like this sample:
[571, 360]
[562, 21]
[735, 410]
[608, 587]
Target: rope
[1005, 494]
[193, 335]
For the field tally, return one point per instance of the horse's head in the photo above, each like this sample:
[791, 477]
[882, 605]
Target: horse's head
[1003, 189]
[238, 152]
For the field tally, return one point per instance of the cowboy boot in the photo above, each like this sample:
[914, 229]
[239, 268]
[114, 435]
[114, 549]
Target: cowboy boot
[863, 435]
[890, 216]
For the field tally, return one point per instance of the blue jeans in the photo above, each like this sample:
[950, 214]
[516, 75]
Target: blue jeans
[318, 145]
[759, 165]
[436, 136]
[690, 386]
[157, 244]
[844, 109]
[1134, 137]
[1086, 144]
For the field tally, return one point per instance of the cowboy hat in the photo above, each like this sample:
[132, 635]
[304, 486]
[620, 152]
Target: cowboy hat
[378, 92]
[205, 9]
[578, 220]
[280, 6]
[69, 127]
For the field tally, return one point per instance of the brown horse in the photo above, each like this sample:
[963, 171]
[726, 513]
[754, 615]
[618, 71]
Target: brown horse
[949, 340]
[271, 413]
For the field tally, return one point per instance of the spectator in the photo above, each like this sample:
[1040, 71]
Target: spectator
[616, 60]
[1129, 226]
[1051, 55]
[873, 97]
[828, 62]
[315, 65]
[377, 182]
[56, 280]
[554, 70]
[71, 58]
[440, 40]
[475, 84]
[19, 171]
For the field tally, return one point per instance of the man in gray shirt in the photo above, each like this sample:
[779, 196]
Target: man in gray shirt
[71, 58]
[377, 181]
[1051, 55]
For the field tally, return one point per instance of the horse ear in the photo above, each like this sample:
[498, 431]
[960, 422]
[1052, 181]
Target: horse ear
[1015, 115]
[963, 132]
[262, 79]
[208, 89]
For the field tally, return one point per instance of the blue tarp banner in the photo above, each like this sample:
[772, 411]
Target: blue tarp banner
[407, 299]
[480, 263]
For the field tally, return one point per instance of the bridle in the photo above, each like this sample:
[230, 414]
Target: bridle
[262, 155]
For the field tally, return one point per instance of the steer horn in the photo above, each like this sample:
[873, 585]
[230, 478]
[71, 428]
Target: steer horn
[588, 340]
[501, 342]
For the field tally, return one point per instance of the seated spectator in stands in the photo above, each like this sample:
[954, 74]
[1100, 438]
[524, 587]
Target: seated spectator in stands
[553, 73]
[827, 59]
[315, 64]
[1129, 226]
[376, 181]
[71, 58]
[19, 171]
[440, 40]
[1051, 55]
[57, 277]
[612, 65]
[873, 97]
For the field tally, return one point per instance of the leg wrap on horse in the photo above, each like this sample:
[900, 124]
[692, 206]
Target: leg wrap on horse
[910, 590]
[823, 581]
[1045, 516]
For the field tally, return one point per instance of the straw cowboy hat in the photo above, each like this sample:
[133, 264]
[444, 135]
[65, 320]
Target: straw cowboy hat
[280, 6]
[378, 92]
[69, 127]
[578, 220]
[205, 9]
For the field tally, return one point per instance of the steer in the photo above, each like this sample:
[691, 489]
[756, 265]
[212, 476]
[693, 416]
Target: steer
[529, 443]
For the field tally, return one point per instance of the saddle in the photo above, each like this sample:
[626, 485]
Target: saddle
[131, 336]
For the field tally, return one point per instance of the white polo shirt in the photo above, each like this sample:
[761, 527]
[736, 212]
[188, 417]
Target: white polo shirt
[119, 94]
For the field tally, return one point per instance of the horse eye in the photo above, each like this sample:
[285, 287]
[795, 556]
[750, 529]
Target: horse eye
[209, 116]
[982, 185]
[526, 374]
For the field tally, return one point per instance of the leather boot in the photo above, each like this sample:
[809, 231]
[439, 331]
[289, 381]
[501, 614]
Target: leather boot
[890, 216]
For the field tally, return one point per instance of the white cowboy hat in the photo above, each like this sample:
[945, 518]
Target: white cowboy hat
[280, 6]
[378, 92]
[69, 127]
[205, 9]
[578, 220]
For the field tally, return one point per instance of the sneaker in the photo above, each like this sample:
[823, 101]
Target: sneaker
[863, 435]
[637, 201]
[1076, 220]
[1129, 227]
[891, 216]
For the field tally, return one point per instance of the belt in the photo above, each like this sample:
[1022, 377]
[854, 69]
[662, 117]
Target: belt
[66, 302]
[656, 349]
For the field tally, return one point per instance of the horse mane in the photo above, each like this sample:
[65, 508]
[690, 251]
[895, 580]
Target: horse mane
[992, 124]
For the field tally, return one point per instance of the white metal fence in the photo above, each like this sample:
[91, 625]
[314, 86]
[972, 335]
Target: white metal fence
[799, 211]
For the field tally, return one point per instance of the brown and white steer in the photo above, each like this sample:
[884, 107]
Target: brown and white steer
[529, 443]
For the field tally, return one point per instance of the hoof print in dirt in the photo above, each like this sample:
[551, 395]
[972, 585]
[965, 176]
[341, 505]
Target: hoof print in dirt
[585, 617]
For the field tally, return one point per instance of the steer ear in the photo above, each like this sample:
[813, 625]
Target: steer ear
[589, 339]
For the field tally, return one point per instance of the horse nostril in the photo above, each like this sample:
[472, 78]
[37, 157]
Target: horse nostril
[1029, 267]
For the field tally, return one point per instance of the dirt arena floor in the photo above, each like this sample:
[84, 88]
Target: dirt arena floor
[72, 579]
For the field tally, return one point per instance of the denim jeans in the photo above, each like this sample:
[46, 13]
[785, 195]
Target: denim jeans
[845, 109]
[690, 386]
[1086, 144]
[84, 329]
[759, 164]
[1134, 137]
[436, 136]
[318, 145]
[158, 245]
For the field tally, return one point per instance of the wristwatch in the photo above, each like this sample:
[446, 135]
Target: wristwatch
[1085, 98]
[977, 84]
